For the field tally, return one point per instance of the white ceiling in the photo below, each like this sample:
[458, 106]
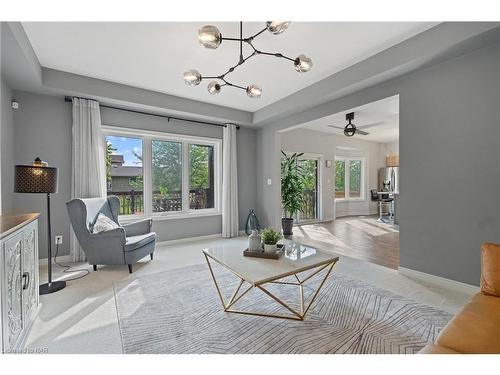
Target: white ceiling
[155, 55]
[384, 114]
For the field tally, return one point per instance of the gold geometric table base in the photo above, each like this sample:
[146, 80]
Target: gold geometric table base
[295, 315]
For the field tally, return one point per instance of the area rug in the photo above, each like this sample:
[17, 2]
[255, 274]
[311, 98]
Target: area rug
[179, 311]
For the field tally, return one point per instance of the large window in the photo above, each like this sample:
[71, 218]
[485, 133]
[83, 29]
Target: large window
[166, 171]
[125, 173]
[349, 178]
[201, 176]
[163, 175]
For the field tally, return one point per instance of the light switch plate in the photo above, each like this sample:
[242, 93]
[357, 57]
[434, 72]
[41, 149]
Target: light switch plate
[269, 182]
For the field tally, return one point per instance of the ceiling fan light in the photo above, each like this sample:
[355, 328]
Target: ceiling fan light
[349, 130]
[277, 27]
[214, 88]
[192, 77]
[254, 91]
[209, 37]
[303, 64]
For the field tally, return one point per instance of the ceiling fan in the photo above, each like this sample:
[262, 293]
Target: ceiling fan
[350, 129]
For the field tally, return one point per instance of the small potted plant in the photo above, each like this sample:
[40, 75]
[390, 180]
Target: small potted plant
[270, 238]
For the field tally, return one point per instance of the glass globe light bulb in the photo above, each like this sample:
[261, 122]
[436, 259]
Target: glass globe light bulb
[192, 77]
[209, 37]
[303, 64]
[277, 27]
[254, 91]
[213, 88]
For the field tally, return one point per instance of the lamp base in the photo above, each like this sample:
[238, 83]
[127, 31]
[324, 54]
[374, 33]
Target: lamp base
[52, 287]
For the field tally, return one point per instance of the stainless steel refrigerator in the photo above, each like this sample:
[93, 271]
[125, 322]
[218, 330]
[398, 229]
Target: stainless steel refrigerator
[390, 177]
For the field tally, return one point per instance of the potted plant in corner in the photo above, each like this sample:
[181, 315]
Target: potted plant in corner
[292, 183]
[270, 238]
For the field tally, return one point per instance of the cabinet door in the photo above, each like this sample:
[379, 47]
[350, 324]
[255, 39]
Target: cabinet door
[13, 289]
[30, 273]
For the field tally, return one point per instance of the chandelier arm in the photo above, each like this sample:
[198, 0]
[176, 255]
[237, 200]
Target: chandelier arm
[233, 39]
[279, 55]
[231, 69]
[237, 86]
[256, 35]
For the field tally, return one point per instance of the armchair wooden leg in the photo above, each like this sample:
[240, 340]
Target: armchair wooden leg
[151, 255]
[95, 267]
[129, 268]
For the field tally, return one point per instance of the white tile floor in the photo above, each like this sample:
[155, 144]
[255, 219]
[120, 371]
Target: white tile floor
[82, 318]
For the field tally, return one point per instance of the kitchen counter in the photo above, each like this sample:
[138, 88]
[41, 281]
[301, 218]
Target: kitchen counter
[10, 223]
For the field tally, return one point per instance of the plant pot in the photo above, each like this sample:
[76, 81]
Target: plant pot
[270, 248]
[287, 225]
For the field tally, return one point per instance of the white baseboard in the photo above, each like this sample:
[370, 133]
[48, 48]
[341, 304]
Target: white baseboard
[441, 281]
[353, 213]
[189, 239]
[60, 259]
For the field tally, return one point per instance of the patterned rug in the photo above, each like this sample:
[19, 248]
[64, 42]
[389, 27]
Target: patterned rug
[179, 311]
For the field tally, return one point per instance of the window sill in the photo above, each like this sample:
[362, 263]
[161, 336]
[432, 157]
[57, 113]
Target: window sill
[171, 216]
[341, 200]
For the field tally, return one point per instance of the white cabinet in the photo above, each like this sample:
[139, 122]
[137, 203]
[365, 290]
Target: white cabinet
[19, 282]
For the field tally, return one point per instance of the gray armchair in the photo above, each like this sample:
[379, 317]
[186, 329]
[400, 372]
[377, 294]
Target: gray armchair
[124, 245]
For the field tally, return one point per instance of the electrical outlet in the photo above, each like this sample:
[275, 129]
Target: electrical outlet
[58, 240]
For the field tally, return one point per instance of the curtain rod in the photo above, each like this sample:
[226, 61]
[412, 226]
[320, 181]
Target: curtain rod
[69, 99]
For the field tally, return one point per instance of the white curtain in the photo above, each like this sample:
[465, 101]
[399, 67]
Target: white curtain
[88, 173]
[229, 183]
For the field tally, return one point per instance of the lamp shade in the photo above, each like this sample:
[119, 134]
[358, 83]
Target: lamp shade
[35, 179]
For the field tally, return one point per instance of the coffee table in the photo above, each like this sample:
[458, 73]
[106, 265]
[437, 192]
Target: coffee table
[298, 261]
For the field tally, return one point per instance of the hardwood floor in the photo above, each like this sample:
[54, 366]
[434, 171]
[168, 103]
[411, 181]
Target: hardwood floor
[359, 237]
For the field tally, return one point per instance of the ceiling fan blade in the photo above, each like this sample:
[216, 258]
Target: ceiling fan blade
[361, 132]
[336, 127]
[370, 125]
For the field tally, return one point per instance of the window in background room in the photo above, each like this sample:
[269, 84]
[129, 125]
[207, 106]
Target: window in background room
[166, 174]
[340, 179]
[354, 178]
[125, 172]
[349, 178]
[201, 176]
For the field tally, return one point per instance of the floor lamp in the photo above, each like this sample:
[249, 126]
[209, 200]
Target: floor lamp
[40, 178]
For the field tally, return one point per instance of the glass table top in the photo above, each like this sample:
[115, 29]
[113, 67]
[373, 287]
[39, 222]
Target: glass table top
[296, 258]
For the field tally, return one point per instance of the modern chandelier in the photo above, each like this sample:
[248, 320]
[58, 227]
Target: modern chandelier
[210, 37]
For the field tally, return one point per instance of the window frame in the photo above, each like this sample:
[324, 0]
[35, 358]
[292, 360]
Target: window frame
[147, 136]
[346, 160]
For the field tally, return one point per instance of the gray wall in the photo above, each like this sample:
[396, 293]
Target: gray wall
[450, 170]
[43, 128]
[7, 150]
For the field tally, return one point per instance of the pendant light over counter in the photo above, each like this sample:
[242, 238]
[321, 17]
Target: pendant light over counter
[210, 37]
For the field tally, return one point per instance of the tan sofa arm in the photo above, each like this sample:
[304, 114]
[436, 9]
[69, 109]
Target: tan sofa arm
[490, 269]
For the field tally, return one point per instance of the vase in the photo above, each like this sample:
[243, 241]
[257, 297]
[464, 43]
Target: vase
[287, 225]
[254, 241]
[270, 248]
[252, 222]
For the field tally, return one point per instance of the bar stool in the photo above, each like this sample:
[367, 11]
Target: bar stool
[381, 200]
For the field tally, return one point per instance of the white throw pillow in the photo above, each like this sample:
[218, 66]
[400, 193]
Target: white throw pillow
[103, 224]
